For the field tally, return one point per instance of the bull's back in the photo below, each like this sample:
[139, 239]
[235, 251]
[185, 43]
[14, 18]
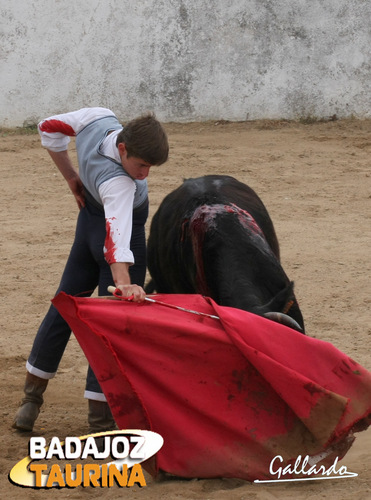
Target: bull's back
[170, 254]
[224, 189]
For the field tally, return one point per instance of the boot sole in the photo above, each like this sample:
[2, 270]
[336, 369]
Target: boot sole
[22, 427]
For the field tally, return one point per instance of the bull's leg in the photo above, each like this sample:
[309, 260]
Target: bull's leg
[30, 406]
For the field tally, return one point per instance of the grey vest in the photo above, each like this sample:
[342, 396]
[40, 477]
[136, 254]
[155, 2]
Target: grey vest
[94, 167]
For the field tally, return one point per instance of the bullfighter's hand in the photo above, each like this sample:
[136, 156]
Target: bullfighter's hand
[135, 292]
[77, 189]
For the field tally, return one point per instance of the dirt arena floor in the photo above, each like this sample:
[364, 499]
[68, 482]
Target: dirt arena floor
[314, 178]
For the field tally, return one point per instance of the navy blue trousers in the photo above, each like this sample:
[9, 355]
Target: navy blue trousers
[86, 269]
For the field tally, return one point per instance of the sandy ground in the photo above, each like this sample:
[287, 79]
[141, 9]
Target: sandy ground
[315, 180]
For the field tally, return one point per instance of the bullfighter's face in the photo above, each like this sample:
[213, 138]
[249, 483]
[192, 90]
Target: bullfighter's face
[135, 167]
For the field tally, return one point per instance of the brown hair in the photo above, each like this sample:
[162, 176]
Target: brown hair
[145, 138]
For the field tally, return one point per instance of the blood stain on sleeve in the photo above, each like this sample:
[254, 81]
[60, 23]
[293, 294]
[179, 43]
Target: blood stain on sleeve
[109, 245]
[52, 126]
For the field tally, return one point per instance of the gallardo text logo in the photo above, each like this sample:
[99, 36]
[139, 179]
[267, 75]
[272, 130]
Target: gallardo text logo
[67, 463]
[302, 468]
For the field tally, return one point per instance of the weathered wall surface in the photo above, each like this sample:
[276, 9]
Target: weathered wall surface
[185, 59]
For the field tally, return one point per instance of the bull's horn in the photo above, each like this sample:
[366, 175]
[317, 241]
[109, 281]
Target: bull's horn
[284, 319]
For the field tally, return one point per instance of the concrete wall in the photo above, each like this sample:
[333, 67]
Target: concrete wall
[185, 59]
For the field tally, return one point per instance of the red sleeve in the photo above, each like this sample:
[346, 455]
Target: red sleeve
[53, 125]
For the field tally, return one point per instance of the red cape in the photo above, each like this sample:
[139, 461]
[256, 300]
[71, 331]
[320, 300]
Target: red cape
[226, 395]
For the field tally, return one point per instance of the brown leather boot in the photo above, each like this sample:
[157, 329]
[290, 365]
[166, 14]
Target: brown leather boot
[100, 417]
[30, 406]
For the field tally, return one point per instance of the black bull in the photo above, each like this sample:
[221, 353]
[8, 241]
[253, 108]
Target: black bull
[214, 236]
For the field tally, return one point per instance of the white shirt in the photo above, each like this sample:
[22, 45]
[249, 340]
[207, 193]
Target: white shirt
[117, 194]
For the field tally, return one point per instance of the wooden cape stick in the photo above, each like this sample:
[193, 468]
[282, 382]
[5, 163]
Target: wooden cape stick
[114, 290]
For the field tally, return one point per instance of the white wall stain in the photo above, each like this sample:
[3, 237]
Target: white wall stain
[187, 60]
